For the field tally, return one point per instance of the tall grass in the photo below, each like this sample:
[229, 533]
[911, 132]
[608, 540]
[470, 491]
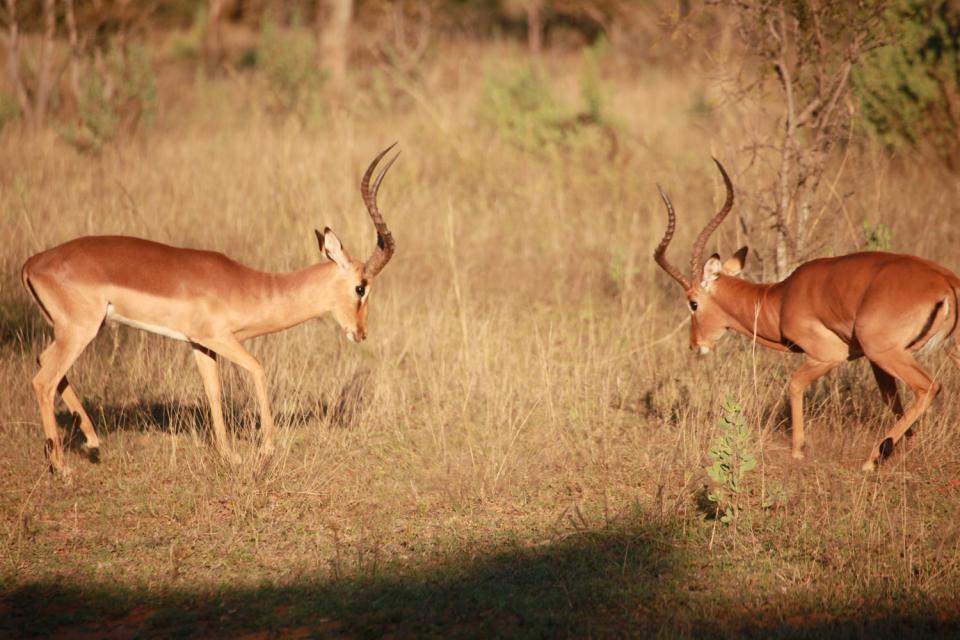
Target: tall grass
[523, 421]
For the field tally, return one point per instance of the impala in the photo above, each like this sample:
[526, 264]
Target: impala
[200, 297]
[882, 306]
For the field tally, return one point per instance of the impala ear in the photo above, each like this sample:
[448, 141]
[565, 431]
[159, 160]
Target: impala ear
[711, 269]
[331, 247]
[733, 265]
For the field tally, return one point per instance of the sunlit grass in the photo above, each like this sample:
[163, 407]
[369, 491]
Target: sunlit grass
[521, 441]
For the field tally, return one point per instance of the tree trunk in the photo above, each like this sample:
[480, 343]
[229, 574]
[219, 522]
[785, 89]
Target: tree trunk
[45, 79]
[33, 105]
[534, 27]
[333, 24]
[74, 40]
[13, 60]
[213, 40]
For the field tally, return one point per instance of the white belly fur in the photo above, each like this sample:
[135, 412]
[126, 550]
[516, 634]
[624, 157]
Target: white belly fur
[113, 316]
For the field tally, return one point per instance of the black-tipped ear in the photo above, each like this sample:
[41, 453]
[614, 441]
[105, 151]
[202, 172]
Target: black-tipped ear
[319, 238]
[734, 264]
[333, 249]
[715, 256]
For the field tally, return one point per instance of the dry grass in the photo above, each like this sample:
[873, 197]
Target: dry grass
[518, 449]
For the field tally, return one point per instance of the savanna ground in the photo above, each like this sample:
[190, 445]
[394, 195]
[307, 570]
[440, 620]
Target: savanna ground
[519, 447]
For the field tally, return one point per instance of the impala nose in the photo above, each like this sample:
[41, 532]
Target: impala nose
[700, 349]
[355, 336]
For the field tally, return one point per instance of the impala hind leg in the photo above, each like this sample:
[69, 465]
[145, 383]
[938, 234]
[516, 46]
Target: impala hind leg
[72, 400]
[232, 350]
[903, 366]
[55, 361]
[888, 390]
[808, 372]
[209, 373]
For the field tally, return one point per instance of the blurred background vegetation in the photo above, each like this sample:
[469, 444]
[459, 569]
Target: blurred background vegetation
[523, 447]
[824, 76]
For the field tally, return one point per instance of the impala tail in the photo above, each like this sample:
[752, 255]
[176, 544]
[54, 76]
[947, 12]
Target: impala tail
[941, 326]
[25, 279]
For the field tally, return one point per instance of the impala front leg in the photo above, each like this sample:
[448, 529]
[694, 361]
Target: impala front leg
[809, 371]
[207, 365]
[232, 350]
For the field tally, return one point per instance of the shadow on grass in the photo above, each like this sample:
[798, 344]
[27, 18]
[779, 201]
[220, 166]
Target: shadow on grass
[587, 584]
[166, 417]
[341, 411]
[621, 581]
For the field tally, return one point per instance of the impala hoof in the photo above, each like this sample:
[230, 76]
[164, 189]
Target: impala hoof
[267, 449]
[886, 448]
[64, 474]
[798, 455]
[93, 454]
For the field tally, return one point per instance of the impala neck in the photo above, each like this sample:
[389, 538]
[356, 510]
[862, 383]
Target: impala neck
[289, 299]
[753, 309]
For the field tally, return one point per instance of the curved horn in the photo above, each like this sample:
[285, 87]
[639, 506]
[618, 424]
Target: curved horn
[385, 244]
[660, 255]
[696, 260]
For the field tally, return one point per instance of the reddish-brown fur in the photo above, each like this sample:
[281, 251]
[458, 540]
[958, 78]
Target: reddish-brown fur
[884, 306]
[202, 297]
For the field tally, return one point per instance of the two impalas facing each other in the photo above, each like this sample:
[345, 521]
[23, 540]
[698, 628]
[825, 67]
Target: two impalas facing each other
[200, 297]
[882, 306]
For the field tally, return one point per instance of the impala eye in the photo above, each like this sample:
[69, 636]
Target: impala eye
[693, 305]
[360, 290]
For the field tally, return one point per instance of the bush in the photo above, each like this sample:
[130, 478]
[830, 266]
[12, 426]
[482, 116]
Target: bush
[188, 45]
[115, 99]
[877, 237]
[287, 58]
[9, 109]
[520, 104]
[910, 90]
[733, 458]
[593, 91]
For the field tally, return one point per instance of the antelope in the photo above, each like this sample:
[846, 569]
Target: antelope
[200, 297]
[883, 306]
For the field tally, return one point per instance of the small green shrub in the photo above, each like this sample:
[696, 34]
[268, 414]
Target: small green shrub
[733, 458]
[287, 58]
[188, 45]
[9, 109]
[622, 267]
[877, 237]
[519, 104]
[909, 90]
[594, 93]
[115, 100]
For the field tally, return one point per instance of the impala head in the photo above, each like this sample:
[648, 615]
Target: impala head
[708, 319]
[354, 278]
